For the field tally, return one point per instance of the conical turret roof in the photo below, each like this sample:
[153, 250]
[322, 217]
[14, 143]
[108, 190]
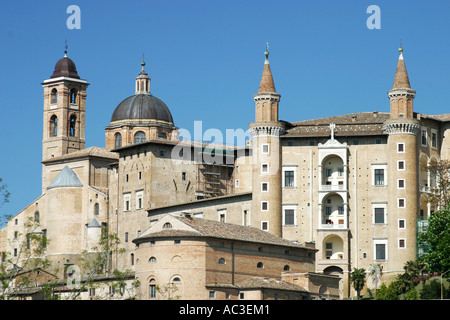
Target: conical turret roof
[267, 84]
[401, 80]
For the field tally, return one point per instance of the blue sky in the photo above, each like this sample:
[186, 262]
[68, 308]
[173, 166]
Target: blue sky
[205, 59]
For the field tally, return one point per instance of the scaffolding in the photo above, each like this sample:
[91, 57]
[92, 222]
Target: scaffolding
[215, 178]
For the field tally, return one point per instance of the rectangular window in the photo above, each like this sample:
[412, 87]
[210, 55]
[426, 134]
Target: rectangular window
[400, 147]
[380, 251]
[341, 172]
[152, 291]
[264, 186]
[264, 168]
[379, 215]
[265, 148]
[222, 213]
[433, 139]
[401, 165]
[328, 172]
[264, 225]
[340, 210]
[289, 215]
[401, 223]
[401, 183]
[139, 199]
[401, 243]
[328, 211]
[401, 203]
[183, 176]
[289, 178]
[126, 236]
[237, 183]
[379, 177]
[423, 137]
[264, 205]
[126, 201]
[212, 294]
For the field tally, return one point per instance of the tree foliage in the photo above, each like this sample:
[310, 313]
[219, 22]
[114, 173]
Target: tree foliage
[437, 237]
[358, 280]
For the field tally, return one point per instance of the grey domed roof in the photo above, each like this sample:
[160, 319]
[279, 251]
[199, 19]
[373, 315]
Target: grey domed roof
[65, 67]
[142, 106]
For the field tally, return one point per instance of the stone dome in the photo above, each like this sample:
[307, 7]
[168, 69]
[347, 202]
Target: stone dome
[142, 106]
[65, 67]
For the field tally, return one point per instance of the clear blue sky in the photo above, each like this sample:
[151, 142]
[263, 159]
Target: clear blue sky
[205, 59]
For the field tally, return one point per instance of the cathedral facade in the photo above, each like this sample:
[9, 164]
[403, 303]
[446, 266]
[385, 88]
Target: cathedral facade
[294, 211]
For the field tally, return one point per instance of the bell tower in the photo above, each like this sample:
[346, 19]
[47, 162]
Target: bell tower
[64, 111]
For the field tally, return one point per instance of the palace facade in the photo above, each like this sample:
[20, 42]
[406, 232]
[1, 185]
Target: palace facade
[289, 215]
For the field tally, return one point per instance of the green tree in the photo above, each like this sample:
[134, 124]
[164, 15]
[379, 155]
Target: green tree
[358, 280]
[22, 269]
[437, 237]
[4, 198]
[403, 283]
[95, 272]
[387, 292]
[432, 290]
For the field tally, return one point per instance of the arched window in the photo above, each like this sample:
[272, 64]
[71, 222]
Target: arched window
[176, 280]
[260, 265]
[53, 126]
[152, 260]
[221, 261]
[167, 225]
[117, 140]
[36, 216]
[152, 289]
[132, 259]
[96, 209]
[286, 268]
[54, 96]
[162, 135]
[73, 96]
[139, 137]
[72, 123]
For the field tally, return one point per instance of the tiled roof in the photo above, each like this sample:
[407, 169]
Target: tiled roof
[260, 283]
[214, 229]
[91, 151]
[362, 123]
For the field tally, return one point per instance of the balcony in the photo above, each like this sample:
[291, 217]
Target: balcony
[332, 187]
[332, 226]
